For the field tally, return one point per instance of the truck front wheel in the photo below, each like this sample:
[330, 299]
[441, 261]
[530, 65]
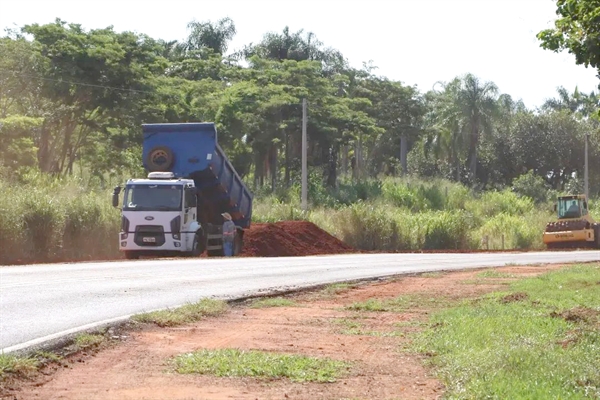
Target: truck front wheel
[131, 255]
[197, 246]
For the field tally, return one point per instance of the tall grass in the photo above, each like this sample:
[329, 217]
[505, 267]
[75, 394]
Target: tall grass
[51, 219]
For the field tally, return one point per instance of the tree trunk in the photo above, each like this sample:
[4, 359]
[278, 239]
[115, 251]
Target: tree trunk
[258, 168]
[473, 165]
[359, 159]
[43, 154]
[287, 177]
[473, 153]
[345, 160]
[403, 154]
[332, 173]
[273, 165]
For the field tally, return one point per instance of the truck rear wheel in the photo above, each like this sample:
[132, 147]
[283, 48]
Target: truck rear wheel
[238, 245]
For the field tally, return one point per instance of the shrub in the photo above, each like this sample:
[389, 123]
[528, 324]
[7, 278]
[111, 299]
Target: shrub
[532, 186]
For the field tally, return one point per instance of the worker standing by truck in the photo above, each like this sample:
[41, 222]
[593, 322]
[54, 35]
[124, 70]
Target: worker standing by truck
[228, 235]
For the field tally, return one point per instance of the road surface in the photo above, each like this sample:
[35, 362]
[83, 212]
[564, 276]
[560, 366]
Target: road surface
[40, 303]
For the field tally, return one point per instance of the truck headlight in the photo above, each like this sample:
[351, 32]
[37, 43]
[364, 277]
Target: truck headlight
[176, 227]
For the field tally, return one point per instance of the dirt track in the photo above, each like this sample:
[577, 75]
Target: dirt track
[138, 367]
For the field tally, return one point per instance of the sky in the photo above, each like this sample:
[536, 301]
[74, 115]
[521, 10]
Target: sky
[418, 42]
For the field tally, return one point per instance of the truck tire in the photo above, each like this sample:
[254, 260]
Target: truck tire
[131, 255]
[215, 253]
[238, 245]
[197, 247]
[160, 159]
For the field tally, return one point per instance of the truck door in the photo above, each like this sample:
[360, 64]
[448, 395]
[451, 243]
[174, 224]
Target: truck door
[189, 213]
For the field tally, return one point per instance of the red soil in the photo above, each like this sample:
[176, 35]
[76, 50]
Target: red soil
[291, 238]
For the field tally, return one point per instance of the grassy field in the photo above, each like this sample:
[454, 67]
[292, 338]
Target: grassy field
[538, 340]
[50, 219]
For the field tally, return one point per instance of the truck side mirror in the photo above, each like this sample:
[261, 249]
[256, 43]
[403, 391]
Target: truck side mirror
[554, 207]
[115, 196]
[585, 205]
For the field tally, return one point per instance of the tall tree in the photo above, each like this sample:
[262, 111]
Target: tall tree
[577, 102]
[214, 36]
[90, 77]
[576, 30]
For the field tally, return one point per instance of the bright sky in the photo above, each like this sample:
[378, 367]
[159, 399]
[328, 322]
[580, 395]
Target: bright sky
[415, 41]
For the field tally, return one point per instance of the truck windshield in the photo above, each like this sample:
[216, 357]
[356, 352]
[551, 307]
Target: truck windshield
[570, 208]
[152, 198]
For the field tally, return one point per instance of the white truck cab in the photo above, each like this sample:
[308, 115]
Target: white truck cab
[158, 216]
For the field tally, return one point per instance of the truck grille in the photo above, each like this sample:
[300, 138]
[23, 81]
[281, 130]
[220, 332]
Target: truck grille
[149, 235]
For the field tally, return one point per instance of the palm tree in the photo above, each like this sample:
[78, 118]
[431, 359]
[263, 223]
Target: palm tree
[445, 132]
[579, 103]
[209, 35]
[298, 46]
[465, 110]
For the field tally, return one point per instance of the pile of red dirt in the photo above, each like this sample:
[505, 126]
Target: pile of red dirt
[291, 238]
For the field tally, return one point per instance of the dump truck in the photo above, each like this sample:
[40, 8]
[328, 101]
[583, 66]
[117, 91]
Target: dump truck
[177, 209]
[574, 227]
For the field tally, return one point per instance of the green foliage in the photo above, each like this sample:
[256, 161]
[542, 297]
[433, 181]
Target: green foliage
[576, 30]
[382, 227]
[550, 350]
[519, 232]
[185, 314]
[233, 362]
[494, 202]
[86, 340]
[85, 109]
[50, 219]
[45, 218]
[272, 302]
[10, 364]
[532, 186]
[398, 304]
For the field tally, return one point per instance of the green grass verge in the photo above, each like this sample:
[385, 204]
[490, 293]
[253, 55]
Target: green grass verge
[17, 365]
[272, 302]
[337, 288]
[432, 274]
[492, 274]
[398, 304]
[539, 340]
[353, 327]
[185, 314]
[237, 363]
[87, 340]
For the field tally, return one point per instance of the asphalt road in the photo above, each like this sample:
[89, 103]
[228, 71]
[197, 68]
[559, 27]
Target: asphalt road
[40, 303]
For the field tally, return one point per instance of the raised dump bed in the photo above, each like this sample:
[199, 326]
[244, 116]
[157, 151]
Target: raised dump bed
[191, 150]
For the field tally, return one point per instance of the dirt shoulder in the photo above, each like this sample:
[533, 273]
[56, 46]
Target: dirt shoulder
[317, 325]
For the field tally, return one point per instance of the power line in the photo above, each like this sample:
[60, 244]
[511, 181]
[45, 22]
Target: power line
[18, 73]
[15, 73]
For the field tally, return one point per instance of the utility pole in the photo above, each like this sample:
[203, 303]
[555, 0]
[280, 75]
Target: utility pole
[585, 169]
[304, 167]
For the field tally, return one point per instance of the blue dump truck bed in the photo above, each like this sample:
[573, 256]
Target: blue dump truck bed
[191, 150]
